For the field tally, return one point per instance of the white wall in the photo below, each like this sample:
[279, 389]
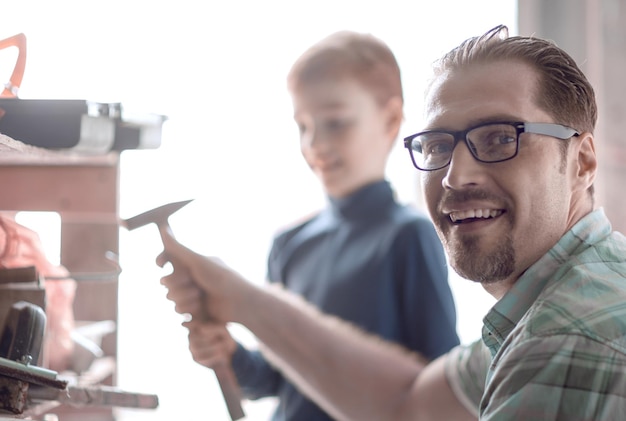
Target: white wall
[217, 70]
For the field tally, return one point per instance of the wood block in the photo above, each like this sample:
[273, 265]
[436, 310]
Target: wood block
[13, 394]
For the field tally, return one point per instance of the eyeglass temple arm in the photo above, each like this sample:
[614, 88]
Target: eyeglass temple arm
[550, 129]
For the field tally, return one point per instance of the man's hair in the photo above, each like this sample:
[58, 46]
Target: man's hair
[347, 54]
[563, 90]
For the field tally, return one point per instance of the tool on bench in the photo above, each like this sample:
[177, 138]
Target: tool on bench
[20, 344]
[225, 375]
[23, 333]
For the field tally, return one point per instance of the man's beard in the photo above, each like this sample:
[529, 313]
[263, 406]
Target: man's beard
[472, 263]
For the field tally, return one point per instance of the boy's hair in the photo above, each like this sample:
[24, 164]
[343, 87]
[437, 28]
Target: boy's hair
[564, 91]
[347, 54]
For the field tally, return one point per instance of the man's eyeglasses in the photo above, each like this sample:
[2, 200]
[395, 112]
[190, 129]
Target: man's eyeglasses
[489, 142]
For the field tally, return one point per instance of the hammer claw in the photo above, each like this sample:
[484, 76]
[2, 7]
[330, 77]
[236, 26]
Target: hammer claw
[157, 215]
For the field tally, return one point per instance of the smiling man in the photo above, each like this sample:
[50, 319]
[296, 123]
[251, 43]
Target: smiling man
[508, 163]
[498, 219]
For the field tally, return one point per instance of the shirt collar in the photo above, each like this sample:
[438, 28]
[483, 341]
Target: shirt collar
[509, 310]
[368, 201]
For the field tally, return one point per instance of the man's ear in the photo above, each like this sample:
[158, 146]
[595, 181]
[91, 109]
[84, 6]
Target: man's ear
[395, 114]
[586, 160]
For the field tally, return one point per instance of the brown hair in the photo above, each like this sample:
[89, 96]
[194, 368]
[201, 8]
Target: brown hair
[563, 90]
[350, 54]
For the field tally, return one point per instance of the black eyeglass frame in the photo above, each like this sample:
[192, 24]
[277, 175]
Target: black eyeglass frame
[557, 131]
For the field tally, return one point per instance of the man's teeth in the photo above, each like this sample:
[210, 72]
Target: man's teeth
[474, 213]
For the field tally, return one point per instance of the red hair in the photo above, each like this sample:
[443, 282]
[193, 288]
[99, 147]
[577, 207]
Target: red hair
[347, 54]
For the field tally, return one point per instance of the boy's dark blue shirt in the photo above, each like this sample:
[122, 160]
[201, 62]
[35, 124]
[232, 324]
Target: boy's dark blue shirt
[370, 261]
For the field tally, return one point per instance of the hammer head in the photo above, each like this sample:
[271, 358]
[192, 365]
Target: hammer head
[157, 215]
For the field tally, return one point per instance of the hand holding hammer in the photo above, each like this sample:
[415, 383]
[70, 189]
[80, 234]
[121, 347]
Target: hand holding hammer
[184, 282]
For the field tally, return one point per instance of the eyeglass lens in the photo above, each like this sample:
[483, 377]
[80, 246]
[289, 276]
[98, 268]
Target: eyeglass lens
[488, 143]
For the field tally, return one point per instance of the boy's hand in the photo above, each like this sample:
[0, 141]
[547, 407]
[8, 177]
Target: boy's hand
[211, 344]
[210, 292]
[201, 286]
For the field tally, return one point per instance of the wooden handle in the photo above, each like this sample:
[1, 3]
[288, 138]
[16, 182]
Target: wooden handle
[224, 373]
[230, 391]
[229, 386]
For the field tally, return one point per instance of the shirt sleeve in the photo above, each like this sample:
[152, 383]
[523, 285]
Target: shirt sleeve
[557, 377]
[466, 372]
[255, 375]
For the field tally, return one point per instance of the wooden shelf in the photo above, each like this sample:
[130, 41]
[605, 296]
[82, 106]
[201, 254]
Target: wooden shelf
[84, 191]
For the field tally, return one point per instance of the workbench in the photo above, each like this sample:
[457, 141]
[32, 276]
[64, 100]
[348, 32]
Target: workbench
[84, 191]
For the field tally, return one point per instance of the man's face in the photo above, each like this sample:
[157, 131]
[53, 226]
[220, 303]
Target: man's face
[495, 219]
[345, 136]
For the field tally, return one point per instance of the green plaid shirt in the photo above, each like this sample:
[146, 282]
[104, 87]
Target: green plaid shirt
[554, 347]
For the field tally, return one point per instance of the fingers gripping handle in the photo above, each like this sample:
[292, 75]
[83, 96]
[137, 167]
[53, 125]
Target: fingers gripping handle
[224, 373]
[228, 383]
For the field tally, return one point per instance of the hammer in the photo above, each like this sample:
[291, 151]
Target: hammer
[224, 373]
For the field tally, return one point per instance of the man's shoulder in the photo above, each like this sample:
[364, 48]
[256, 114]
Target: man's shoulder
[583, 304]
[587, 300]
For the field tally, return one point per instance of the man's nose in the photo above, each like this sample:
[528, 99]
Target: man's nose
[463, 169]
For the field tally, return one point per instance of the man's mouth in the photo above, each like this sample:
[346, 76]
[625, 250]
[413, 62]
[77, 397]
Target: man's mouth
[472, 215]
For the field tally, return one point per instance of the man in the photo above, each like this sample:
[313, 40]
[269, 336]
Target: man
[508, 161]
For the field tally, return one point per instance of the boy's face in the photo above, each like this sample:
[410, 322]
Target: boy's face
[345, 135]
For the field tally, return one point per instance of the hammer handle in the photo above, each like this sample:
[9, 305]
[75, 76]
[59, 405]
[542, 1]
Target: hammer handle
[230, 390]
[228, 384]
[225, 375]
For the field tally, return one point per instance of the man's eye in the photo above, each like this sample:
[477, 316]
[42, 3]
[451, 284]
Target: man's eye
[508, 139]
[436, 146]
[495, 141]
[503, 139]
[496, 137]
[439, 148]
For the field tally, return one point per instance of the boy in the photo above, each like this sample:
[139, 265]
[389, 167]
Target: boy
[364, 258]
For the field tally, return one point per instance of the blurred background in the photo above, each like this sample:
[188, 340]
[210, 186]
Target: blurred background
[217, 71]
